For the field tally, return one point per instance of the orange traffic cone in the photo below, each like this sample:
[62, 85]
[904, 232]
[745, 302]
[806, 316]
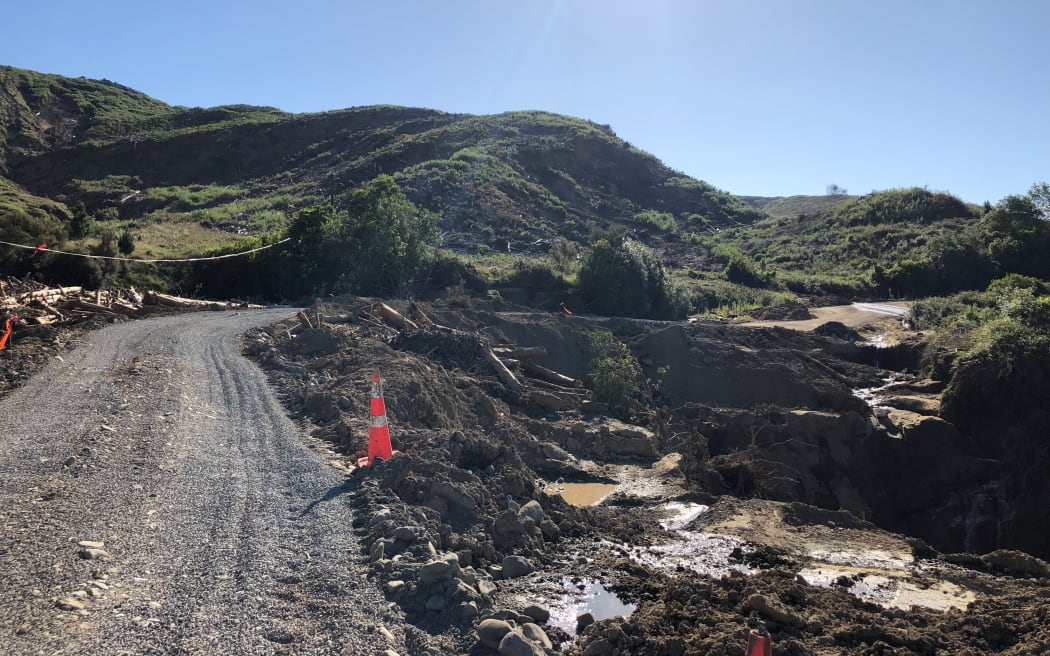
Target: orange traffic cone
[378, 428]
[759, 643]
[7, 332]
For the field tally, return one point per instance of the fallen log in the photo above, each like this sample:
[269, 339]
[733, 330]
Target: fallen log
[504, 374]
[157, 298]
[393, 317]
[547, 400]
[569, 391]
[86, 306]
[522, 352]
[47, 307]
[549, 375]
[304, 320]
[49, 293]
[77, 304]
[419, 316]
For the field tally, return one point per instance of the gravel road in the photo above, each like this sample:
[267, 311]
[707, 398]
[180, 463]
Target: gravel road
[222, 533]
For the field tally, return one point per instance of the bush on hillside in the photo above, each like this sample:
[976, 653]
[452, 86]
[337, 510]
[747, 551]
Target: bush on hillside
[617, 375]
[914, 205]
[629, 280]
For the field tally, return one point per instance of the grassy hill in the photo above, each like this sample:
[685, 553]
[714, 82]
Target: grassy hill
[190, 180]
[517, 179]
[780, 206]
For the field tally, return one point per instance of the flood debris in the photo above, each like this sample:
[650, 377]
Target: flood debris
[752, 479]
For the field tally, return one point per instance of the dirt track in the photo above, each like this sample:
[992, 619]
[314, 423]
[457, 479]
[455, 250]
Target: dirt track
[853, 316]
[223, 531]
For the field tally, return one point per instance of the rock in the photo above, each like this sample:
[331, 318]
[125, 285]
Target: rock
[600, 647]
[435, 602]
[467, 610]
[394, 587]
[380, 516]
[89, 544]
[390, 652]
[516, 644]
[405, 533]
[515, 566]
[378, 551]
[533, 510]
[95, 554]
[486, 587]
[71, 603]
[490, 632]
[774, 610]
[442, 569]
[536, 635]
[583, 620]
[538, 613]
[70, 461]
[1016, 562]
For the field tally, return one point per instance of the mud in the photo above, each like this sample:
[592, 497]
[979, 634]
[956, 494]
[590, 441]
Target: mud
[764, 476]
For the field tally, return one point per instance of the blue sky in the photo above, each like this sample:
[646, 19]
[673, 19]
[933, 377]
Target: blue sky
[772, 97]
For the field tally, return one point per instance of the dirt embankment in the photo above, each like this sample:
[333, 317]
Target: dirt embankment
[467, 531]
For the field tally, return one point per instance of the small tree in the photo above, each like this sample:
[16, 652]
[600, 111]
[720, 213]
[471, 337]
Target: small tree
[563, 253]
[629, 280]
[82, 224]
[126, 243]
[381, 240]
[617, 375]
[374, 247]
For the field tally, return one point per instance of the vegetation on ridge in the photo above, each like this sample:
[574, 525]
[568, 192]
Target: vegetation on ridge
[532, 185]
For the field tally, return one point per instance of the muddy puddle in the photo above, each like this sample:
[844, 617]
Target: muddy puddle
[709, 554]
[582, 494]
[586, 595]
[889, 589]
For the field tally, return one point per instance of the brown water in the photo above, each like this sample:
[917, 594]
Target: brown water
[582, 494]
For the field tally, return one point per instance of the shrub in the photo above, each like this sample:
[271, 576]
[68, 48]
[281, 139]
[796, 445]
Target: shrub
[126, 243]
[630, 280]
[659, 220]
[617, 375]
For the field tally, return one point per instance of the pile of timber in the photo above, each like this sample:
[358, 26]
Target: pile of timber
[520, 369]
[39, 305]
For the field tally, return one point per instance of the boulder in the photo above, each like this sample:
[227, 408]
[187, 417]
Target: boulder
[491, 631]
[583, 620]
[532, 510]
[516, 566]
[537, 612]
[516, 644]
[441, 569]
[405, 533]
[536, 635]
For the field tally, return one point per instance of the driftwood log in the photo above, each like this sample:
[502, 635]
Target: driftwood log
[304, 320]
[548, 375]
[521, 352]
[508, 378]
[393, 317]
[46, 306]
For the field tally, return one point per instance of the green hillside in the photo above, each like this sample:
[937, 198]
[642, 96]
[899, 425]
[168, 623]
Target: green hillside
[77, 152]
[517, 178]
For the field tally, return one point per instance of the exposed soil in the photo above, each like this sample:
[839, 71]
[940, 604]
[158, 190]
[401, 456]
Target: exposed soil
[764, 476]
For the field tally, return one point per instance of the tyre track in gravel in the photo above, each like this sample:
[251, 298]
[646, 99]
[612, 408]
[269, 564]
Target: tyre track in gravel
[159, 439]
